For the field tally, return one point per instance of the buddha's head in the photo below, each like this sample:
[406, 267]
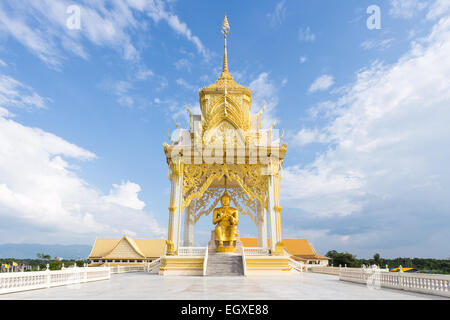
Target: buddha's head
[225, 200]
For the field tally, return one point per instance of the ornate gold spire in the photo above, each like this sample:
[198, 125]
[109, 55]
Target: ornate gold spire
[225, 30]
[225, 99]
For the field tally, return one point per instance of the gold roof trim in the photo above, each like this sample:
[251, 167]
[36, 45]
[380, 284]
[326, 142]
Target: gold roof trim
[131, 243]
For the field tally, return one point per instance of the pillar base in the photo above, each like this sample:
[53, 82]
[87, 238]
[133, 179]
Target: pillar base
[279, 248]
[222, 248]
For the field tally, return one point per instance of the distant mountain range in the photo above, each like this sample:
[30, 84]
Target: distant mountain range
[29, 251]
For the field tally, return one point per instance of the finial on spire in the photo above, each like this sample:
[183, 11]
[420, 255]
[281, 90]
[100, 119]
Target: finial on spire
[225, 29]
[225, 26]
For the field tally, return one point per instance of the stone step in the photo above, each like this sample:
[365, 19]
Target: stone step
[224, 265]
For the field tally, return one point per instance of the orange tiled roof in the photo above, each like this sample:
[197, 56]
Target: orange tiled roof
[299, 248]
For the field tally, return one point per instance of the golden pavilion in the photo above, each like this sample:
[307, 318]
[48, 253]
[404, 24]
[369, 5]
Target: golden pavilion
[227, 166]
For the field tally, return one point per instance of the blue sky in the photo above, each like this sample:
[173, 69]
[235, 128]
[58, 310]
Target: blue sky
[84, 113]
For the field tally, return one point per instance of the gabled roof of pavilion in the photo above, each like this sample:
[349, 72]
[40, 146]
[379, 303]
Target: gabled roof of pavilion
[127, 248]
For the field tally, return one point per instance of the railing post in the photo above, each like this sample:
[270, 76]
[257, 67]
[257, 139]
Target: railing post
[85, 269]
[244, 262]
[205, 261]
[48, 276]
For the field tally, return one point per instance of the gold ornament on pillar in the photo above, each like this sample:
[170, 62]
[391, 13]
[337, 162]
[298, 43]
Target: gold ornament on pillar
[170, 248]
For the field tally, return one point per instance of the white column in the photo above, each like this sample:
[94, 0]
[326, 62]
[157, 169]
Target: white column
[274, 210]
[271, 211]
[189, 223]
[262, 225]
[176, 203]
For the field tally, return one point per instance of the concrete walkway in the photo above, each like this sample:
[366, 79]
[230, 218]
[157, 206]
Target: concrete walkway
[146, 286]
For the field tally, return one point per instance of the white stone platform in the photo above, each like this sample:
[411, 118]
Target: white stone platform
[152, 287]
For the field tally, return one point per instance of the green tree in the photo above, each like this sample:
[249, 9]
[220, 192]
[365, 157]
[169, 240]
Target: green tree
[377, 259]
[43, 256]
[342, 258]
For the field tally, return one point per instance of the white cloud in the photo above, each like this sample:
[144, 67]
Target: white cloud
[279, 14]
[126, 195]
[384, 165]
[264, 93]
[15, 94]
[42, 198]
[307, 136]
[42, 194]
[181, 28]
[302, 59]
[185, 84]
[41, 26]
[143, 73]
[183, 64]
[377, 44]
[438, 8]
[163, 83]
[322, 83]
[406, 8]
[306, 35]
[121, 89]
[157, 11]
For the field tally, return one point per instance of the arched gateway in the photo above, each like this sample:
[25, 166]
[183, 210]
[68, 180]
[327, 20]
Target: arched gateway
[224, 150]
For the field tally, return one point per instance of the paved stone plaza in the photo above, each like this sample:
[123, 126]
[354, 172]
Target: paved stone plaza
[146, 286]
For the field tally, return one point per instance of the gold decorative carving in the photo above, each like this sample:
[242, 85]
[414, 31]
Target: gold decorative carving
[277, 208]
[170, 248]
[211, 197]
[198, 178]
[279, 248]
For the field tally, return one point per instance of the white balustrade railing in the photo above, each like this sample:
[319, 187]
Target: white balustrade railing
[125, 269]
[153, 266]
[192, 251]
[296, 265]
[205, 261]
[256, 251]
[335, 270]
[244, 263]
[327, 270]
[436, 284]
[23, 281]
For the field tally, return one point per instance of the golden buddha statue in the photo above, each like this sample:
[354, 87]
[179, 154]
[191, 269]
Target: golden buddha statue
[226, 220]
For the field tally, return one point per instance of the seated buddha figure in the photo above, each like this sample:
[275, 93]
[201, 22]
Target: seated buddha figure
[226, 220]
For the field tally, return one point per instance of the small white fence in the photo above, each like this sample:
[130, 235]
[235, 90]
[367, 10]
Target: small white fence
[256, 251]
[191, 251]
[436, 284]
[205, 261]
[23, 281]
[329, 270]
[153, 267]
[125, 269]
[296, 265]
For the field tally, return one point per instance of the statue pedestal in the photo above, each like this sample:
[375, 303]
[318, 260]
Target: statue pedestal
[227, 247]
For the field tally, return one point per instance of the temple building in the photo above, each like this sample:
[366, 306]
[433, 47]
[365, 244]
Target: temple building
[228, 167]
[125, 251]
